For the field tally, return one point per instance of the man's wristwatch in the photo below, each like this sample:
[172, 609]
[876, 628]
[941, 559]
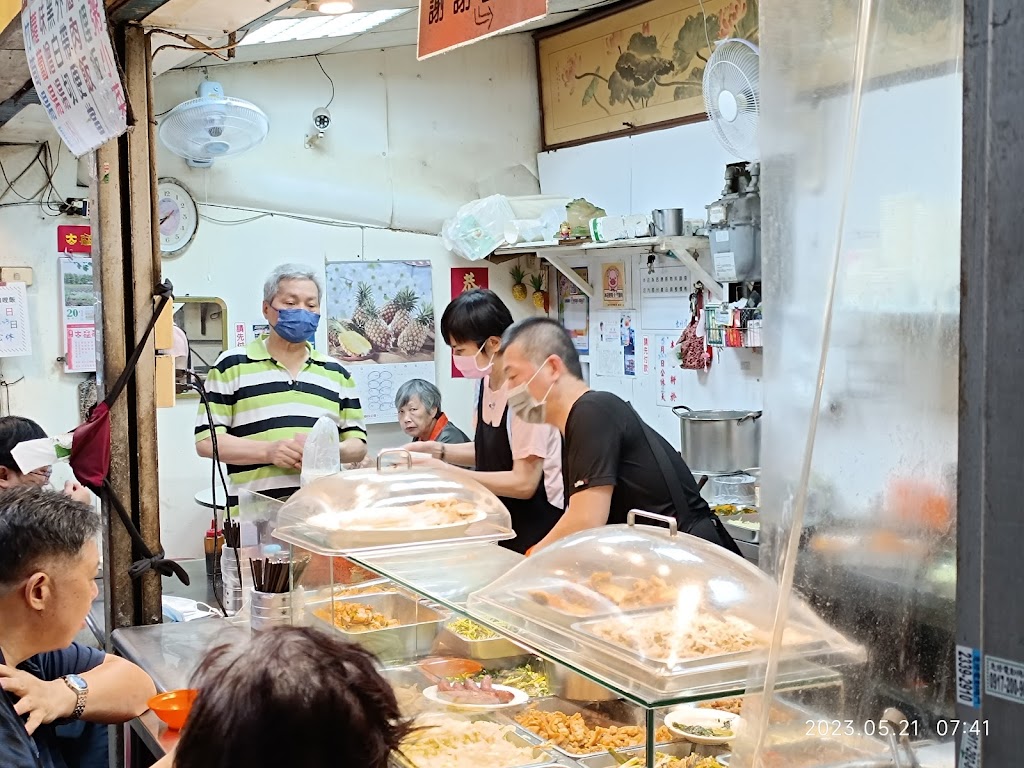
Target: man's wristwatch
[81, 689]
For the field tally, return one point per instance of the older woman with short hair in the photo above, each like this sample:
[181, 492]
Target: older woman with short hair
[420, 415]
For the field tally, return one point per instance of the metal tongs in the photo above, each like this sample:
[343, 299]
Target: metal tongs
[898, 737]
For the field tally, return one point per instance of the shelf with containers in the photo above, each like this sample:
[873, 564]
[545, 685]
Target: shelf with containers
[621, 622]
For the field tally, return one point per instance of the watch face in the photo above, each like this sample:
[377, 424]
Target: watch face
[77, 682]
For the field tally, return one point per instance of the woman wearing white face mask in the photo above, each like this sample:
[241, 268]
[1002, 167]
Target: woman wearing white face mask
[518, 461]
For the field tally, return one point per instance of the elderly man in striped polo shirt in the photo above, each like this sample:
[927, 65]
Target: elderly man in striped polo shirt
[265, 397]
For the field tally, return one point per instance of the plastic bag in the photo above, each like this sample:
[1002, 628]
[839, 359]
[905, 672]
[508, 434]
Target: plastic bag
[321, 454]
[578, 214]
[478, 228]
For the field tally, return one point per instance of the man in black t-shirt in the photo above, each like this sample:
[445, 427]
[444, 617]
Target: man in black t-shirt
[612, 462]
[48, 561]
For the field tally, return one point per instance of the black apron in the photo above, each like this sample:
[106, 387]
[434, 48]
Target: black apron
[532, 518]
[708, 527]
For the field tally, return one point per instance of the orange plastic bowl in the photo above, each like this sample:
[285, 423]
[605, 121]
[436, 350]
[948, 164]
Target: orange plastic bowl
[173, 707]
[450, 667]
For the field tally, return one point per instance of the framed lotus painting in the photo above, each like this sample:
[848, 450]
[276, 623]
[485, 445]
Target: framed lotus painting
[633, 69]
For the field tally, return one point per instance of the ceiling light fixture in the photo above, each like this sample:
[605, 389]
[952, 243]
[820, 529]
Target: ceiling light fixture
[318, 27]
[332, 7]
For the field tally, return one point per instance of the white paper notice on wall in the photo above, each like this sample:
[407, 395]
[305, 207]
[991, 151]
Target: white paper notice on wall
[725, 267]
[74, 71]
[15, 336]
[377, 386]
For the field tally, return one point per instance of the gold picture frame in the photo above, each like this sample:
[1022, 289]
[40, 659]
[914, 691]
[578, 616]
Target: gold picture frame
[635, 69]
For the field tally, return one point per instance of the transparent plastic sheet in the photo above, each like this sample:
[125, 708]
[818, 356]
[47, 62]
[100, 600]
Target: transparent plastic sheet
[478, 228]
[860, 151]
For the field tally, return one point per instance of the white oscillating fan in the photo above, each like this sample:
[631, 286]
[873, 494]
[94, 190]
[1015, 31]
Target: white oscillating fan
[731, 96]
[213, 126]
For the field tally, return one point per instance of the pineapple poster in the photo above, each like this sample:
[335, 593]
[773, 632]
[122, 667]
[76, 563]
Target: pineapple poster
[380, 326]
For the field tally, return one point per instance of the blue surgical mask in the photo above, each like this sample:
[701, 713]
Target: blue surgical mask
[296, 325]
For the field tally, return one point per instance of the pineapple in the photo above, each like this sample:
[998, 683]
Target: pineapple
[334, 330]
[347, 342]
[377, 331]
[518, 288]
[415, 334]
[398, 312]
[364, 303]
[540, 296]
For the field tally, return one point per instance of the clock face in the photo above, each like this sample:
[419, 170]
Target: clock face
[178, 216]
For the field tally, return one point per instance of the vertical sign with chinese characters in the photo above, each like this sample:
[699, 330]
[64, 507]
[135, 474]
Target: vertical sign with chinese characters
[74, 71]
[447, 24]
[77, 300]
[15, 340]
[466, 279]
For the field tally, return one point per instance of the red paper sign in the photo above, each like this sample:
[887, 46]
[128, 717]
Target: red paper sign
[466, 279]
[74, 239]
[447, 24]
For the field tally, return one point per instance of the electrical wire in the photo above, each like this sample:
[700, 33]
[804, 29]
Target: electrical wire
[215, 470]
[704, 15]
[44, 196]
[316, 57]
[272, 214]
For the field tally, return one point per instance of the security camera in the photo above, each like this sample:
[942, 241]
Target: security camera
[321, 119]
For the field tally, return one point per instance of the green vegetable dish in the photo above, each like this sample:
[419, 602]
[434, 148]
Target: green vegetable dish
[525, 678]
[471, 630]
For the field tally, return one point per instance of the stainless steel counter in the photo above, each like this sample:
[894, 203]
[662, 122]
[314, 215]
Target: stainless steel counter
[201, 589]
[170, 654]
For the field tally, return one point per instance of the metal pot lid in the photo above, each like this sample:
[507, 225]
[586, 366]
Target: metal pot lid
[685, 413]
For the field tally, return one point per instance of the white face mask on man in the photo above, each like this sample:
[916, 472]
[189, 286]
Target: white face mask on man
[526, 406]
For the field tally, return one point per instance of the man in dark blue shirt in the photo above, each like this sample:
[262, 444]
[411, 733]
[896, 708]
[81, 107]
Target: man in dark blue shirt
[48, 561]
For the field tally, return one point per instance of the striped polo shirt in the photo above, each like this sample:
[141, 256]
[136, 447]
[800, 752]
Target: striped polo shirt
[253, 396]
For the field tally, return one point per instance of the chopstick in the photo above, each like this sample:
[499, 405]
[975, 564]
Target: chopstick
[270, 576]
[232, 535]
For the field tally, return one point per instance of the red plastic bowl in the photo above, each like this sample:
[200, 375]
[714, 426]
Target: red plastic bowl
[173, 707]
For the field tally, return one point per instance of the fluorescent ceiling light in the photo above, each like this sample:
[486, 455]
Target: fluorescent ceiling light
[332, 7]
[316, 27]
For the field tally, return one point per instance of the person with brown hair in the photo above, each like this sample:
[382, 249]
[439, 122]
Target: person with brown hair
[294, 696]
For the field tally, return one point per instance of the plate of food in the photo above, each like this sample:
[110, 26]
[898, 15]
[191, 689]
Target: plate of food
[469, 694]
[426, 520]
[704, 726]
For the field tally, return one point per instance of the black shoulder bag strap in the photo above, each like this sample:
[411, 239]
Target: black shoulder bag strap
[675, 487]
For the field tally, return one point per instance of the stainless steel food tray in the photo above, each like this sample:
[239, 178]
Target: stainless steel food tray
[676, 749]
[603, 606]
[622, 714]
[518, 737]
[705, 661]
[824, 753]
[414, 636]
[481, 650]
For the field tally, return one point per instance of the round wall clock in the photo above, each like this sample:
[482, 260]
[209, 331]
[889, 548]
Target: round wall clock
[179, 216]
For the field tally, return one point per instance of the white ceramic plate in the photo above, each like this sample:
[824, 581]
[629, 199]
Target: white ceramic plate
[519, 697]
[708, 718]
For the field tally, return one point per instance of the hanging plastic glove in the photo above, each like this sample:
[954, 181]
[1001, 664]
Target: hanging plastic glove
[321, 454]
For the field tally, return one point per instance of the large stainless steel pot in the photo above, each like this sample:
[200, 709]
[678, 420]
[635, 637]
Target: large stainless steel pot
[716, 442]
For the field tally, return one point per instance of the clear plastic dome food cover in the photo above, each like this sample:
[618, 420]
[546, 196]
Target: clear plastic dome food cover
[391, 507]
[658, 614]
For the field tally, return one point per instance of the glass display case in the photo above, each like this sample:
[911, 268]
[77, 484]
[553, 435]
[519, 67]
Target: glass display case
[626, 644]
[391, 507]
[664, 618]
